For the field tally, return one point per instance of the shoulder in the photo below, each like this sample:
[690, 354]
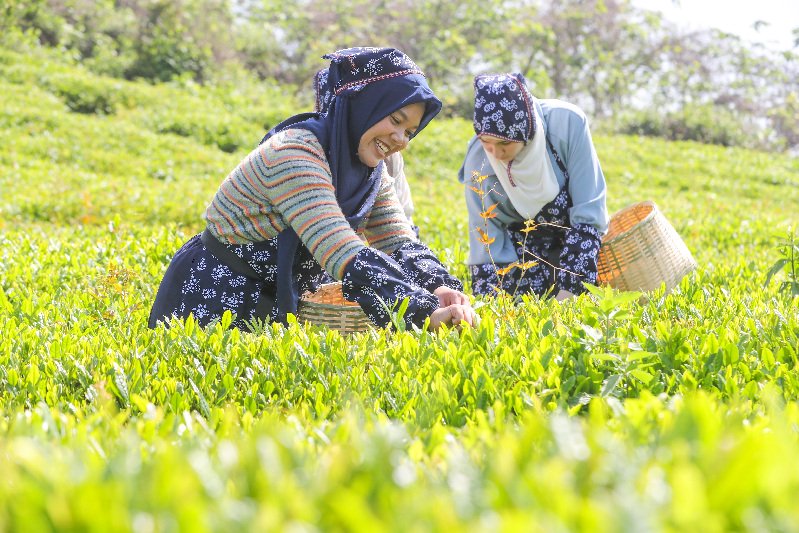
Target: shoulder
[559, 112]
[475, 157]
[294, 141]
[566, 125]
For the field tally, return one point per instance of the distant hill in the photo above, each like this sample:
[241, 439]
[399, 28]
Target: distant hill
[79, 148]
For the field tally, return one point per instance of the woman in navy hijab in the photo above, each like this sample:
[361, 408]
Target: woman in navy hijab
[395, 164]
[288, 212]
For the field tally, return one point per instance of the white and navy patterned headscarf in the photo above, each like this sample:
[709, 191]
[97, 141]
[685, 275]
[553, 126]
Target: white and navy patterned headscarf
[322, 90]
[503, 107]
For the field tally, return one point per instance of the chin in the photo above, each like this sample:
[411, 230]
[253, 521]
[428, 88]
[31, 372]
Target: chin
[371, 162]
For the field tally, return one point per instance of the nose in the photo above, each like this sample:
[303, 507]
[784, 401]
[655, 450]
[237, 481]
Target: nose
[399, 138]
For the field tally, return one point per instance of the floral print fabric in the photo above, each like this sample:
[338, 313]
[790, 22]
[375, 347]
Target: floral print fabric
[377, 282]
[198, 283]
[503, 107]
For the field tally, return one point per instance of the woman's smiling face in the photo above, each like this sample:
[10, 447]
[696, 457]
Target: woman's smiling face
[390, 135]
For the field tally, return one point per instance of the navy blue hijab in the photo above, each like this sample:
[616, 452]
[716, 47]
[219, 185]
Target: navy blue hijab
[368, 84]
[323, 91]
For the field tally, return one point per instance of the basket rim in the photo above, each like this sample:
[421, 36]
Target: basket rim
[337, 307]
[647, 218]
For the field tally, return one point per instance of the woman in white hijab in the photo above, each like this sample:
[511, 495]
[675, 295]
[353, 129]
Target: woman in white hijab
[534, 191]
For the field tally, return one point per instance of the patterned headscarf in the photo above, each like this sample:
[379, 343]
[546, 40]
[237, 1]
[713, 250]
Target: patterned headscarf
[323, 92]
[503, 107]
[368, 84]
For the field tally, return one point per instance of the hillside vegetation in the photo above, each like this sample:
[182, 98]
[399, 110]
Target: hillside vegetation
[629, 68]
[611, 412]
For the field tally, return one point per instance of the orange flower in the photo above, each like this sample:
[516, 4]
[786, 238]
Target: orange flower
[528, 264]
[477, 177]
[484, 238]
[503, 271]
[489, 213]
[478, 191]
[530, 225]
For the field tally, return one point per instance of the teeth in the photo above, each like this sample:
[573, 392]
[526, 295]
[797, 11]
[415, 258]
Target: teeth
[383, 147]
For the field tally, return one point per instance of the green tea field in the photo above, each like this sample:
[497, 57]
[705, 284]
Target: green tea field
[609, 412]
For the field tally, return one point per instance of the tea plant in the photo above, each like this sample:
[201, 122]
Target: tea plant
[612, 411]
[789, 262]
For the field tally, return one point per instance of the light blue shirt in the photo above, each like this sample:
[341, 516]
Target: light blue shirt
[567, 129]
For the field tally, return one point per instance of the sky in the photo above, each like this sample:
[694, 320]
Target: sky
[734, 16]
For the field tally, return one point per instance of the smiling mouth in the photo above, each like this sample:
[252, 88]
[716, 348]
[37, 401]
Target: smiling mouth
[384, 149]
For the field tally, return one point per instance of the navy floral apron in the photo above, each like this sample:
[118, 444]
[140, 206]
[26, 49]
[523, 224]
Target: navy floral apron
[207, 287]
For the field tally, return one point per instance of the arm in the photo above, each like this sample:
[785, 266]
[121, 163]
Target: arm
[587, 181]
[588, 215]
[292, 172]
[388, 230]
[375, 282]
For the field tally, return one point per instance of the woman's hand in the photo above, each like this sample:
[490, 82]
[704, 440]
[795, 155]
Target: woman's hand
[453, 315]
[563, 295]
[447, 296]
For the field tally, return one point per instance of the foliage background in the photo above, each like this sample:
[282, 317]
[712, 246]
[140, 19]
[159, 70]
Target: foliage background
[611, 412]
[630, 70]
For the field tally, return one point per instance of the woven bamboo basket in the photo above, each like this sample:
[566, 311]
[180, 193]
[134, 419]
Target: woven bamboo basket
[327, 307]
[642, 250]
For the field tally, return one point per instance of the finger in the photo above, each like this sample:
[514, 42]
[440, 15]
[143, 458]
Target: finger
[442, 315]
[470, 317]
[459, 314]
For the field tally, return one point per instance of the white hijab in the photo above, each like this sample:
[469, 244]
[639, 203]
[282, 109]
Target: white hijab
[531, 183]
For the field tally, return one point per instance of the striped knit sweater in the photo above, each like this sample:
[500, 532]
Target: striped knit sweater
[285, 182]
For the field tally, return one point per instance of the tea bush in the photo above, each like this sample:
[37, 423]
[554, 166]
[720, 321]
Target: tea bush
[610, 412]
[702, 123]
